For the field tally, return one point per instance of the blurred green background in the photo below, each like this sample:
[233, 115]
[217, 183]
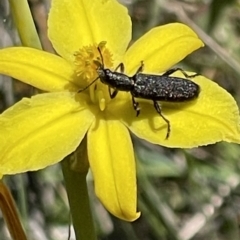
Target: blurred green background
[183, 194]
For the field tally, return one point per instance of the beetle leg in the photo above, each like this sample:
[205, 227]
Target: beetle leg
[112, 94]
[121, 66]
[158, 109]
[140, 69]
[173, 70]
[136, 106]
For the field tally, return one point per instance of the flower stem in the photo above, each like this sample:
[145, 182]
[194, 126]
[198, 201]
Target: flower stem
[24, 23]
[10, 214]
[75, 181]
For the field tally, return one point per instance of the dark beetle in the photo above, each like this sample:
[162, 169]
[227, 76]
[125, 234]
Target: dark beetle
[147, 86]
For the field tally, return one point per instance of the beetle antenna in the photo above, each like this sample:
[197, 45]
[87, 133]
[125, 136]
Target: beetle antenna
[101, 56]
[81, 90]
[99, 65]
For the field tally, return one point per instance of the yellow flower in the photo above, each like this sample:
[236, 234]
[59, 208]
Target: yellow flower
[41, 131]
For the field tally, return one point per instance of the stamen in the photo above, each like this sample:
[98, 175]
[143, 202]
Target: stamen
[86, 60]
[101, 100]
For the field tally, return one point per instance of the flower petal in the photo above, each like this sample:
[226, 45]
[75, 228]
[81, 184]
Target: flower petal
[38, 68]
[161, 48]
[41, 131]
[112, 163]
[88, 22]
[212, 117]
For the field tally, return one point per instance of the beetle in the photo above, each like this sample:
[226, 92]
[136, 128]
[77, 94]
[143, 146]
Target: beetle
[148, 86]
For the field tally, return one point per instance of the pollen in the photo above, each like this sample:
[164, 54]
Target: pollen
[86, 58]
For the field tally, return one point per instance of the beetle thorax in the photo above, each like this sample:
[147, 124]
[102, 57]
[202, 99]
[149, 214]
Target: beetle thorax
[101, 73]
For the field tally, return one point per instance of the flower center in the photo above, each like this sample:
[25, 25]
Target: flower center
[86, 59]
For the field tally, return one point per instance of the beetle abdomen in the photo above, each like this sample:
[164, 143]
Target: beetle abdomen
[164, 88]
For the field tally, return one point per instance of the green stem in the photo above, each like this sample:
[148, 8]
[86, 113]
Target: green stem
[24, 23]
[76, 185]
[22, 201]
[10, 214]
